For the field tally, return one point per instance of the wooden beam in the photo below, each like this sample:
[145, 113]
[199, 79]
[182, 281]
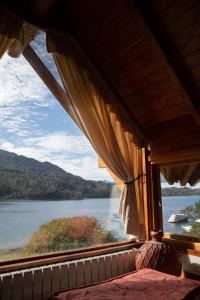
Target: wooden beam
[60, 94]
[155, 204]
[176, 157]
[170, 52]
[146, 192]
[44, 74]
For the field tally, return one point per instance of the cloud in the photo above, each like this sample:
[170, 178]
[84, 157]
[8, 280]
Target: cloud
[19, 83]
[32, 123]
[22, 95]
[61, 141]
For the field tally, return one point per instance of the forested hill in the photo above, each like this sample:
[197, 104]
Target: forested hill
[182, 191]
[27, 178]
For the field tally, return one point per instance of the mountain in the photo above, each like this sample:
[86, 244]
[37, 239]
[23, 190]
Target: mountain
[27, 178]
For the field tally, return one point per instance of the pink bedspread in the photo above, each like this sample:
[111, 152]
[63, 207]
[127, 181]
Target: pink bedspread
[146, 284]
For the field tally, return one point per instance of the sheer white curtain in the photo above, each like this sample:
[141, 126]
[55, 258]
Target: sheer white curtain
[97, 112]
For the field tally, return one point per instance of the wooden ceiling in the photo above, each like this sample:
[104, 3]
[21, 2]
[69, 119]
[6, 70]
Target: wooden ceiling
[148, 51]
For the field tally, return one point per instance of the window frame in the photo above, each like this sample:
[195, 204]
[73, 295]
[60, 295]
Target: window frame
[64, 256]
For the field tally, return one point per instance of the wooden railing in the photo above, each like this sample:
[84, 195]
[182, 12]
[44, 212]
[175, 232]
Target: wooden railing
[42, 281]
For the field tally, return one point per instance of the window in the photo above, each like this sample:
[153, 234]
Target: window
[181, 204]
[52, 195]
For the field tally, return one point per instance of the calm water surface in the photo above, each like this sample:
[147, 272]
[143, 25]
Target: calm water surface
[19, 219]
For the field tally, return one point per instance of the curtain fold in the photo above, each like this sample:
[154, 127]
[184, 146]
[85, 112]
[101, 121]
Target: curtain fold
[95, 110]
[26, 34]
[15, 35]
[10, 26]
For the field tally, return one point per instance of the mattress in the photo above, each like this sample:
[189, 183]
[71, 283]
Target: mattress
[146, 284]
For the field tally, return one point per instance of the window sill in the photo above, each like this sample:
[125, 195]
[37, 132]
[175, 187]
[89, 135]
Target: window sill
[183, 241]
[56, 257]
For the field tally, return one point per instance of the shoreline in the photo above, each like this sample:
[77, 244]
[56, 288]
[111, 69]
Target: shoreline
[10, 254]
[10, 251]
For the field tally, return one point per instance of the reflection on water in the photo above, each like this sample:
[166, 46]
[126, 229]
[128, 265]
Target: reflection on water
[19, 219]
[175, 204]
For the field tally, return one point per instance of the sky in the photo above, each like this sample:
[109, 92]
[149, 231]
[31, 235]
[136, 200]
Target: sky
[34, 124]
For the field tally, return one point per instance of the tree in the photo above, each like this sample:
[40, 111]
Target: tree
[193, 212]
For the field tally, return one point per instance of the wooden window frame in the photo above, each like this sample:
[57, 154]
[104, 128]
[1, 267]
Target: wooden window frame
[183, 241]
[64, 256]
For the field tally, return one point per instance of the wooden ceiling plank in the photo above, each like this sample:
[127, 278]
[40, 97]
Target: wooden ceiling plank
[185, 36]
[145, 74]
[130, 35]
[111, 15]
[176, 157]
[178, 10]
[170, 53]
[161, 5]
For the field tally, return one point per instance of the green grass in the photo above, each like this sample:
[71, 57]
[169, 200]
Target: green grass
[13, 254]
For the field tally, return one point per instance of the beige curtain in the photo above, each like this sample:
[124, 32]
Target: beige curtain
[10, 27]
[96, 111]
[15, 35]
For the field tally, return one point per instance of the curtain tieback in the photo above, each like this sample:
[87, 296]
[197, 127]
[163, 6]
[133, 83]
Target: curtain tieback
[131, 181]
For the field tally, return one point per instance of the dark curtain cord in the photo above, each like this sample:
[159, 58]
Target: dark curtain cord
[129, 182]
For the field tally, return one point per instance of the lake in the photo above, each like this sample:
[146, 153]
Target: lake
[19, 219]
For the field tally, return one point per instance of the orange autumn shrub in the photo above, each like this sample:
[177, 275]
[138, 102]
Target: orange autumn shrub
[81, 227]
[68, 233]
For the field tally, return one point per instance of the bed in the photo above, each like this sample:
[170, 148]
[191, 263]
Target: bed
[146, 284]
